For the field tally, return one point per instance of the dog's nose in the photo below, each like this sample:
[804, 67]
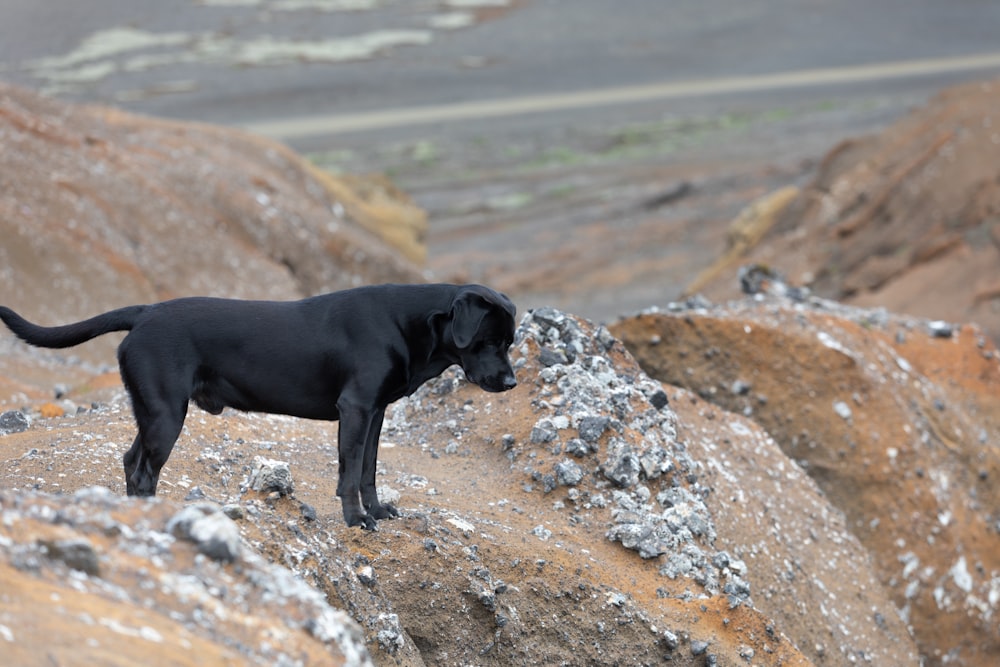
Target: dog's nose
[509, 382]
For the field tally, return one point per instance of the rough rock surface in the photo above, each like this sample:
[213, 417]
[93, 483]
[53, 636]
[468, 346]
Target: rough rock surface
[906, 220]
[91, 578]
[896, 419]
[590, 516]
[100, 209]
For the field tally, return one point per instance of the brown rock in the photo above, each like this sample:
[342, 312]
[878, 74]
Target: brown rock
[892, 418]
[49, 410]
[904, 220]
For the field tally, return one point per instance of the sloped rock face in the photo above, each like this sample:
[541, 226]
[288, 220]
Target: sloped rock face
[905, 220]
[896, 419]
[590, 516]
[100, 209]
[94, 579]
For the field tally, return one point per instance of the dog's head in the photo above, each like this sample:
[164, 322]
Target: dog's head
[482, 331]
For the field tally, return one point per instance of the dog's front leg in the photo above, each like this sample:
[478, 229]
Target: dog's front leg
[355, 423]
[369, 496]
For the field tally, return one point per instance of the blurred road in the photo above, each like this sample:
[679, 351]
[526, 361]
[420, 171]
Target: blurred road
[305, 69]
[587, 154]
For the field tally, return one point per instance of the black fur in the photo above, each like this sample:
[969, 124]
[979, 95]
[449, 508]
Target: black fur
[340, 356]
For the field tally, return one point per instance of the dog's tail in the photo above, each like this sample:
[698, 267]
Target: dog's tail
[69, 335]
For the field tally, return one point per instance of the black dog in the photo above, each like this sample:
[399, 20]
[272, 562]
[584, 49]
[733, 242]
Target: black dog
[344, 355]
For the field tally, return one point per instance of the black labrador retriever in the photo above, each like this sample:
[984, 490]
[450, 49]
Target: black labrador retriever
[344, 355]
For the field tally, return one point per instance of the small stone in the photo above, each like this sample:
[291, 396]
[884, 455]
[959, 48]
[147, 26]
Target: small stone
[233, 511]
[50, 411]
[577, 447]
[308, 512]
[543, 432]
[622, 466]
[77, 553]
[659, 399]
[605, 338]
[940, 329]
[541, 532]
[270, 475]
[549, 357]
[741, 388]
[548, 483]
[698, 647]
[366, 575]
[13, 421]
[842, 409]
[591, 429]
[568, 473]
[195, 494]
[213, 533]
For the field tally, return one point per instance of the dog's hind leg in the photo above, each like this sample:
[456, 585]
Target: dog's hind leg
[131, 461]
[157, 434]
[369, 496]
[159, 403]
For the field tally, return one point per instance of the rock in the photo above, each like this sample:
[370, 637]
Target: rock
[881, 457]
[622, 464]
[308, 512]
[214, 533]
[269, 475]
[901, 220]
[13, 421]
[592, 427]
[149, 600]
[387, 495]
[78, 553]
[843, 410]
[543, 432]
[568, 473]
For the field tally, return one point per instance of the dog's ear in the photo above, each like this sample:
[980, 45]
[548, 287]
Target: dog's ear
[467, 313]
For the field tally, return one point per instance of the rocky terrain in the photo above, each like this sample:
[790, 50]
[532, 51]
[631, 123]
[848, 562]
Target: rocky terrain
[777, 480]
[590, 516]
[907, 219]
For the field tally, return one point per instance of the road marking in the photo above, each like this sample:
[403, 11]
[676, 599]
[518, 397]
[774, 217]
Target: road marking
[318, 125]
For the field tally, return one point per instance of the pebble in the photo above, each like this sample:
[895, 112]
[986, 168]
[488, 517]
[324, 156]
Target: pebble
[77, 553]
[270, 475]
[568, 473]
[699, 647]
[940, 329]
[213, 533]
[13, 421]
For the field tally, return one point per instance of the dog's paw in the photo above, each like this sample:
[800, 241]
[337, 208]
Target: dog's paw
[383, 512]
[365, 522]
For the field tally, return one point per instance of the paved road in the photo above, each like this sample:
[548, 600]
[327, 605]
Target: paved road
[305, 69]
